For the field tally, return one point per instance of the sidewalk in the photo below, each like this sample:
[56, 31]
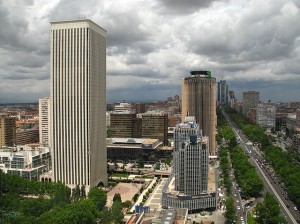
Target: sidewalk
[142, 194]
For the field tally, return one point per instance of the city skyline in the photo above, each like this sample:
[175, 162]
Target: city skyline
[153, 44]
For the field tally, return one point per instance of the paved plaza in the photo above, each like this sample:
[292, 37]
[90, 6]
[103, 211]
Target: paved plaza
[126, 190]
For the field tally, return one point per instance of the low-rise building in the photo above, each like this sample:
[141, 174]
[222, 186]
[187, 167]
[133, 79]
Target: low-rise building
[28, 161]
[131, 148]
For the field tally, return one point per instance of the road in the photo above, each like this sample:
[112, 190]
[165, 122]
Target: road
[271, 181]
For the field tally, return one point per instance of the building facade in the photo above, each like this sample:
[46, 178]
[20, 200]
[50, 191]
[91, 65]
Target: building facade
[78, 103]
[190, 156]
[155, 126]
[140, 108]
[199, 100]
[266, 115]
[250, 101]
[44, 121]
[222, 92]
[129, 125]
[122, 125]
[27, 161]
[7, 130]
[27, 136]
[188, 185]
[123, 107]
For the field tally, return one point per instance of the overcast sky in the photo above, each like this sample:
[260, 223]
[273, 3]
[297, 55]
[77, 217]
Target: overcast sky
[152, 44]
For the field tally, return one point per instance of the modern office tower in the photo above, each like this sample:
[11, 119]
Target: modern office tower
[78, 103]
[266, 115]
[128, 125]
[190, 159]
[155, 126]
[122, 125]
[250, 100]
[27, 136]
[191, 184]
[199, 100]
[222, 92]
[232, 99]
[232, 95]
[44, 121]
[7, 130]
[140, 108]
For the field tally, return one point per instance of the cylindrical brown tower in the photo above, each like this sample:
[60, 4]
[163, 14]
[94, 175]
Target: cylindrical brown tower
[199, 100]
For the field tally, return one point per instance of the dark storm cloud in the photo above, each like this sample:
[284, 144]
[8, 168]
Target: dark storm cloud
[145, 92]
[13, 30]
[183, 7]
[26, 75]
[124, 30]
[265, 38]
[275, 90]
[139, 72]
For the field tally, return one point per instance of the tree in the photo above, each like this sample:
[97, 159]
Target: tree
[76, 193]
[35, 207]
[135, 197]
[116, 212]
[117, 198]
[126, 204]
[62, 196]
[269, 211]
[82, 192]
[98, 197]
[230, 213]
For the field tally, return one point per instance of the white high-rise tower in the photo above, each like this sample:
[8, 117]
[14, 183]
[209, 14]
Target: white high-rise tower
[44, 121]
[78, 102]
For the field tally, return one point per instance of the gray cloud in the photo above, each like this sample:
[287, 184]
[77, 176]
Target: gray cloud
[153, 44]
[182, 7]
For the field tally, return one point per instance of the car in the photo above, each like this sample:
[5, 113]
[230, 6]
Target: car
[237, 201]
[287, 206]
[238, 207]
[242, 219]
[295, 208]
[234, 195]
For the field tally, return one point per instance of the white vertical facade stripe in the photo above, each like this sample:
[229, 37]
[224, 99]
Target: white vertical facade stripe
[78, 92]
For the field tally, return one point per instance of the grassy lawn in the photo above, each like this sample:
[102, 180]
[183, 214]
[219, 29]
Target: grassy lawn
[250, 219]
[120, 175]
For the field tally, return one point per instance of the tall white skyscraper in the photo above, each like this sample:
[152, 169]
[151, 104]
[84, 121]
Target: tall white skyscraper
[78, 105]
[44, 121]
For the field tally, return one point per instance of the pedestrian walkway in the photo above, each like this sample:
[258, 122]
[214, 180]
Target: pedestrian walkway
[139, 201]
